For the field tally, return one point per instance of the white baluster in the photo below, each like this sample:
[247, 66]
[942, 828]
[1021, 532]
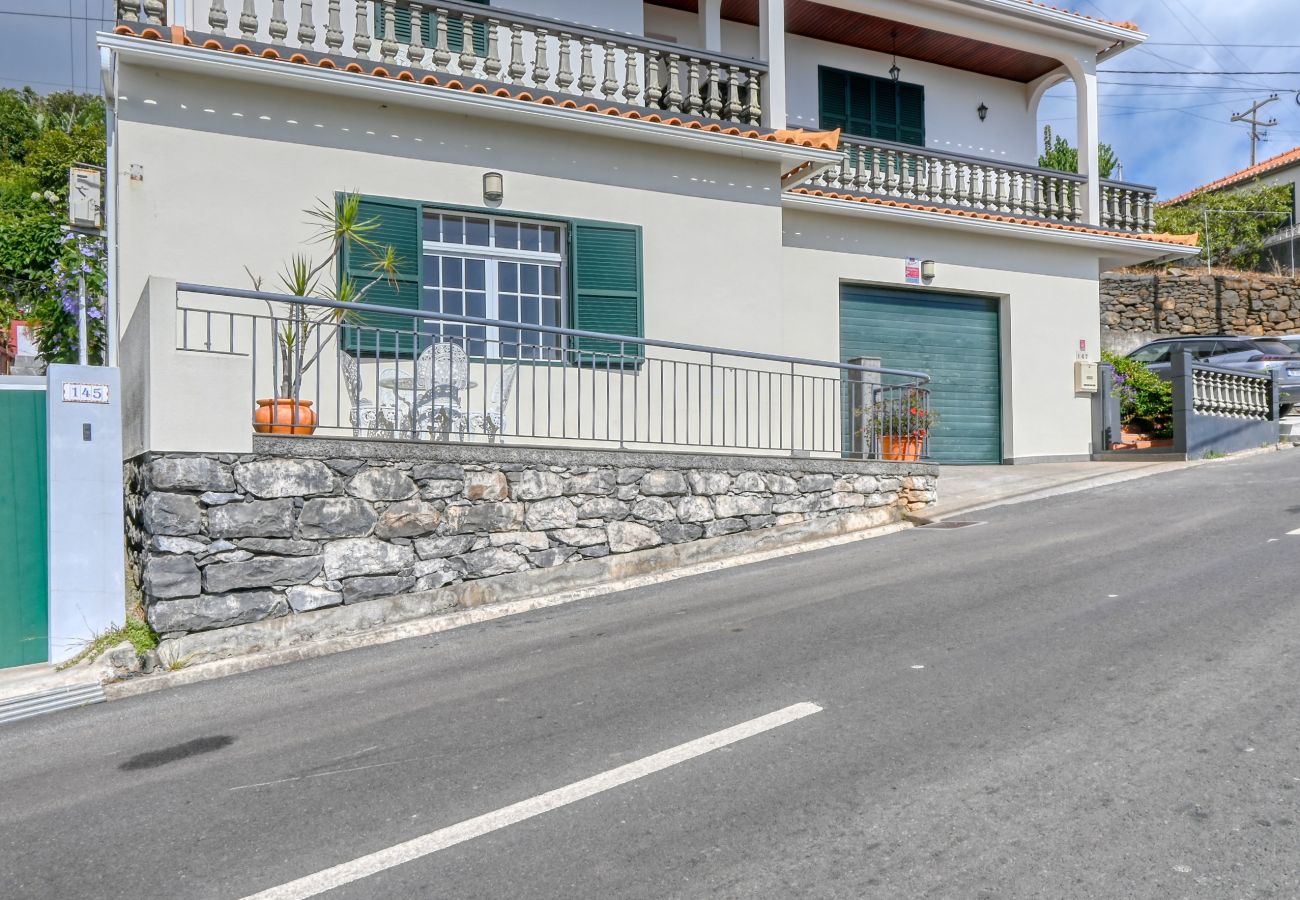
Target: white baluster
[587, 76]
[279, 27]
[415, 50]
[1004, 190]
[154, 11]
[877, 175]
[217, 18]
[388, 46]
[128, 10]
[517, 67]
[891, 173]
[468, 59]
[492, 62]
[713, 100]
[441, 41]
[631, 89]
[654, 91]
[564, 76]
[753, 107]
[694, 102]
[674, 96]
[360, 40]
[609, 87]
[541, 66]
[306, 26]
[731, 109]
[949, 195]
[334, 27]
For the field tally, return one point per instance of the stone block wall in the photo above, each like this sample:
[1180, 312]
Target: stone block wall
[306, 524]
[1138, 308]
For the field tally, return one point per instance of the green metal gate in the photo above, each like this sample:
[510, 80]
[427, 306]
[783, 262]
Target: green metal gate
[23, 576]
[953, 338]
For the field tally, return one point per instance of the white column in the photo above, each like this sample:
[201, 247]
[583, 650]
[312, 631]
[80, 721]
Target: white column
[711, 25]
[771, 46]
[1084, 73]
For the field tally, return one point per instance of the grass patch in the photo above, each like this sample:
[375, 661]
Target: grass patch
[136, 630]
[1214, 454]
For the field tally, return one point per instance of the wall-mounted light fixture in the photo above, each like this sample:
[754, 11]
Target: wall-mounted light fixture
[983, 110]
[894, 70]
[927, 269]
[494, 187]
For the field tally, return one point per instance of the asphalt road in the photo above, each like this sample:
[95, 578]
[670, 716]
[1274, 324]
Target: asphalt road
[1109, 706]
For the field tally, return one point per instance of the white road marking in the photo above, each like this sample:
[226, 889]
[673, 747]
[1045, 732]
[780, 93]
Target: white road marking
[372, 863]
[382, 765]
[1297, 531]
[918, 667]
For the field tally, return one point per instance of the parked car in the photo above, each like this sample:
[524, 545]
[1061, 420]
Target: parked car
[1244, 354]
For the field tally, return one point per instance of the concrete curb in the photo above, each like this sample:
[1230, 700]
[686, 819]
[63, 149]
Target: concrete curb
[1084, 484]
[432, 624]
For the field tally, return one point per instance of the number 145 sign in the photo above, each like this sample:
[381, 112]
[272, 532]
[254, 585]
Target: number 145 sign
[80, 392]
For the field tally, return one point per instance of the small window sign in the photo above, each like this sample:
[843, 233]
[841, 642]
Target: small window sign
[913, 271]
[81, 392]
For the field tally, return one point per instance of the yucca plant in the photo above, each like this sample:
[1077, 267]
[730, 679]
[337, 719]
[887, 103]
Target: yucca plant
[337, 225]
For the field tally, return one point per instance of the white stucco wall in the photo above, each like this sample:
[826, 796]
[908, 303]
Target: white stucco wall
[269, 154]
[952, 96]
[1048, 303]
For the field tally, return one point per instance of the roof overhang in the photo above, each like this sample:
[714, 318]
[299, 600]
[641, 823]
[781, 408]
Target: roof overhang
[337, 83]
[936, 31]
[1112, 250]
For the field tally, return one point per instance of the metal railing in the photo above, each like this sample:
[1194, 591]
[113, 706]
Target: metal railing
[387, 372]
[916, 175]
[497, 45]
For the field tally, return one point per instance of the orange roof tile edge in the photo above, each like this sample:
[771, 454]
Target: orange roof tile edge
[1268, 165]
[1181, 240]
[795, 137]
[1127, 26]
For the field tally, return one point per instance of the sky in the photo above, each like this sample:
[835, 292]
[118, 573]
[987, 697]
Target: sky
[1174, 131]
[1171, 131]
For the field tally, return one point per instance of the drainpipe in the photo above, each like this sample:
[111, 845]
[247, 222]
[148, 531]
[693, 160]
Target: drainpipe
[108, 75]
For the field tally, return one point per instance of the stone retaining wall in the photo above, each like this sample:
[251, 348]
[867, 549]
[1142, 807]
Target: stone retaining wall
[305, 524]
[1138, 308]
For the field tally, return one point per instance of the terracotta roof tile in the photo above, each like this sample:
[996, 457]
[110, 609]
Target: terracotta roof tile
[1181, 240]
[1129, 26]
[1281, 161]
[797, 137]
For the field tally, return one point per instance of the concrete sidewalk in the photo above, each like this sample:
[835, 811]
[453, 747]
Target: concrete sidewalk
[963, 489]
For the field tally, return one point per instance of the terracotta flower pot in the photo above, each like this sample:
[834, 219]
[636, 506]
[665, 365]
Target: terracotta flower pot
[284, 416]
[905, 448]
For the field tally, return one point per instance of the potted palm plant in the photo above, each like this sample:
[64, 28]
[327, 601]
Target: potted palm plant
[298, 347]
[902, 423]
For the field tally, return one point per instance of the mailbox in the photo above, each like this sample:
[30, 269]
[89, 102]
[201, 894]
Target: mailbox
[1085, 377]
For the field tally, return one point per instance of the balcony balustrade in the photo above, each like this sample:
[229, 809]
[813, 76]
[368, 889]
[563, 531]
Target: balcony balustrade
[506, 47]
[913, 174]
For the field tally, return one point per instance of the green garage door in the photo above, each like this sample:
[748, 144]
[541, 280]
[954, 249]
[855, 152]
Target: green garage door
[23, 596]
[953, 338]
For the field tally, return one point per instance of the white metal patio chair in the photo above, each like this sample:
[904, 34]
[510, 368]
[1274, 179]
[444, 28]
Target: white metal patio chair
[442, 375]
[492, 420]
[367, 418]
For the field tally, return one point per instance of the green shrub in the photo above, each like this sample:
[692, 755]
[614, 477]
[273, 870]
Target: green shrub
[1146, 402]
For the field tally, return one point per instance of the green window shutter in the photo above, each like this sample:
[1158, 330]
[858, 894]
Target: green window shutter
[911, 114]
[872, 107]
[885, 122]
[428, 28]
[833, 98]
[398, 226]
[606, 286]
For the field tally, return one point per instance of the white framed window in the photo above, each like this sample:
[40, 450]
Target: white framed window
[495, 267]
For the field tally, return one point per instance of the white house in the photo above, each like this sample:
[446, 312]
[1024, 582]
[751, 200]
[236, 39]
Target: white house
[838, 180]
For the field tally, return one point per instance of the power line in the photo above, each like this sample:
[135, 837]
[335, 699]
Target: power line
[1197, 72]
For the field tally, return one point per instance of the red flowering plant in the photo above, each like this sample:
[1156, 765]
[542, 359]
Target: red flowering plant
[903, 415]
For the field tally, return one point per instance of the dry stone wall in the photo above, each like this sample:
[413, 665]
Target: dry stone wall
[1138, 308]
[225, 540]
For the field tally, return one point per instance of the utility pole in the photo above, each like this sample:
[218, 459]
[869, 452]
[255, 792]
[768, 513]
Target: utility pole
[1251, 116]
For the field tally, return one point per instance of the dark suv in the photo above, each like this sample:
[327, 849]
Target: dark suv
[1243, 354]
